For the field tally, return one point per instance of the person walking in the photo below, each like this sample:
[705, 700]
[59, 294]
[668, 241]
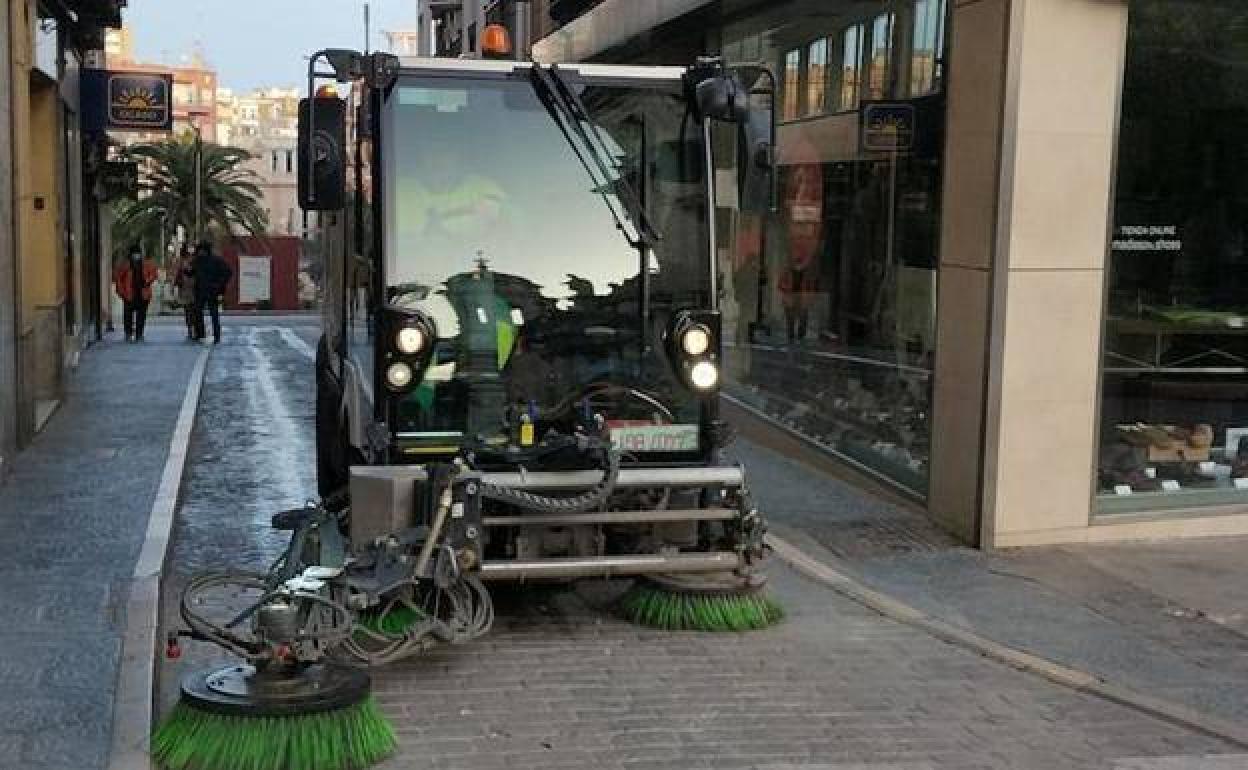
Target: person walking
[184, 281]
[212, 274]
[133, 281]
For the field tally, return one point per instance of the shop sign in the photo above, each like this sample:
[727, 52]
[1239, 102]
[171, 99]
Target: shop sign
[128, 101]
[253, 280]
[888, 127]
[1163, 237]
[118, 179]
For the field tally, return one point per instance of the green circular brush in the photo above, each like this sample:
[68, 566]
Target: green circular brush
[235, 718]
[710, 603]
[393, 622]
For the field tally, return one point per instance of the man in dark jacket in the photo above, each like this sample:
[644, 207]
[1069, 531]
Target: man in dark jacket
[211, 276]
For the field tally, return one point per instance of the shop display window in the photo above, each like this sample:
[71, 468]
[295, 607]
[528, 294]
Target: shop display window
[926, 45]
[829, 304]
[790, 106]
[880, 58]
[816, 76]
[851, 62]
[1174, 409]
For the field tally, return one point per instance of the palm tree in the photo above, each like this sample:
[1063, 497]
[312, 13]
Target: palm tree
[230, 197]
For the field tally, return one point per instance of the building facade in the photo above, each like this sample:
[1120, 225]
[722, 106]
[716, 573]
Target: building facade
[1005, 275]
[265, 122]
[50, 257]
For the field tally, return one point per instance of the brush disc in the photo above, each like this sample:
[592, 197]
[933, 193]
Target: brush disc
[717, 602]
[242, 690]
[710, 584]
[318, 718]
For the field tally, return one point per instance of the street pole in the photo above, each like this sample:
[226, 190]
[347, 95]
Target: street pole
[199, 172]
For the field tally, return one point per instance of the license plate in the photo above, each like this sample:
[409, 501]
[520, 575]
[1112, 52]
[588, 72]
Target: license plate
[654, 438]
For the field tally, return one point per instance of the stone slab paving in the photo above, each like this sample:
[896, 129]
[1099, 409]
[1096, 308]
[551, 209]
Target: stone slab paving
[1130, 613]
[562, 683]
[72, 518]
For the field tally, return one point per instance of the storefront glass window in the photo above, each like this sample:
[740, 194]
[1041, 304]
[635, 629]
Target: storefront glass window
[851, 62]
[816, 76]
[1174, 411]
[926, 46]
[829, 304]
[880, 58]
[789, 105]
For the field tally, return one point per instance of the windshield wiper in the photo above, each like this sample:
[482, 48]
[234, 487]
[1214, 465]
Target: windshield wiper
[571, 116]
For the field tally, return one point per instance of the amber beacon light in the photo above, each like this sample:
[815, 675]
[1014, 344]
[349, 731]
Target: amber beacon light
[495, 41]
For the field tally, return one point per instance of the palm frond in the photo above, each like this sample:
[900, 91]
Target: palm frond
[230, 195]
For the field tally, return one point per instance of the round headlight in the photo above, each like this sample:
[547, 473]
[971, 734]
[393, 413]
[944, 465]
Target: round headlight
[704, 375]
[695, 340]
[409, 340]
[399, 375]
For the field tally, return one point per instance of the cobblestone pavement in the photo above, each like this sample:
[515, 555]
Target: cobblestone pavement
[561, 683]
[1162, 619]
[72, 518]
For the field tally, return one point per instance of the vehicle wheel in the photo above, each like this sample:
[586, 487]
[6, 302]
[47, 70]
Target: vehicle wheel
[331, 455]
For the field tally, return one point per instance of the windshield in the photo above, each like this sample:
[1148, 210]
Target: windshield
[498, 231]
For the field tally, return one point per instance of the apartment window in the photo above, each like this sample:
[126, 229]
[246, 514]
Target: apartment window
[290, 161]
[880, 54]
[851, 66]
[927, 47]
[273, 160]
[817, 77]
[792, 85]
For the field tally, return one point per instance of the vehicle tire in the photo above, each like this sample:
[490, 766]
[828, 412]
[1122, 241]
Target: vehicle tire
[331, 440]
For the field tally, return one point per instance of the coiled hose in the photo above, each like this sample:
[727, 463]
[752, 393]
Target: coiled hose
[251, 648]
[471, 614]
[585, 501]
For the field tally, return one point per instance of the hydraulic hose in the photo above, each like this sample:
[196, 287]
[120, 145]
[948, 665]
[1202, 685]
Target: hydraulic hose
[588, 500]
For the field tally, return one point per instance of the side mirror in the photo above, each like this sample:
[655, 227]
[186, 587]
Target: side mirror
[722, 97]
[744, 95]
[756, 142]
[756, 161]
[322, 157]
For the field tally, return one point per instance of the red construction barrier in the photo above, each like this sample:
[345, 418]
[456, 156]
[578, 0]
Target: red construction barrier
[283, 252]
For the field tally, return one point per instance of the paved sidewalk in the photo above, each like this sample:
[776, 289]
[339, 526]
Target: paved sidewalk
[1163, 619]
[72, 518]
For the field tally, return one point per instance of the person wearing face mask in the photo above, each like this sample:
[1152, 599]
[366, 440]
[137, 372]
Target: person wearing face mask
[133, 281]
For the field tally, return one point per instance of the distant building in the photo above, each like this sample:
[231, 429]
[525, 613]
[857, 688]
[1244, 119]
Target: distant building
[263, 121]
[402, 42]
[266, 123]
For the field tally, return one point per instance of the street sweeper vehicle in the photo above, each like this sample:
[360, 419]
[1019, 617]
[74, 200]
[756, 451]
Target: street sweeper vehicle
[517, 381]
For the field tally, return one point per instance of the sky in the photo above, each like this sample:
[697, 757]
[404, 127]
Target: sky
[254, 43]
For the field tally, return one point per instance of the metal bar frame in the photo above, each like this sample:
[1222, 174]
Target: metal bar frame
[628, 478]
[611, 517]
[611, 566]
